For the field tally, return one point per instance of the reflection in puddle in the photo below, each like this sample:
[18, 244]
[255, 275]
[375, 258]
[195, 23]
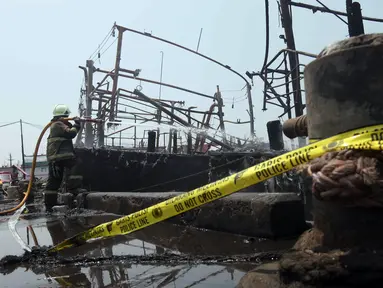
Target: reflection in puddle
[121, 275]
[161, 238]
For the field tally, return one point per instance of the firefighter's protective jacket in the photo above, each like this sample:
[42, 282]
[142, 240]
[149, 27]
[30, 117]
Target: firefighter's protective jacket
[60, 146]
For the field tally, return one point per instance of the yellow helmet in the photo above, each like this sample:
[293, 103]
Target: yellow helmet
[61, 110]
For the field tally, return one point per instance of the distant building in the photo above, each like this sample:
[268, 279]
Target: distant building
[6, 169]
[41, 170]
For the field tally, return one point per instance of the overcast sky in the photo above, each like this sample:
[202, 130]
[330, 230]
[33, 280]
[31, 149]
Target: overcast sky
[44, 42]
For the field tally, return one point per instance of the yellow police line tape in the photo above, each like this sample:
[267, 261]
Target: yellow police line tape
[368, 138]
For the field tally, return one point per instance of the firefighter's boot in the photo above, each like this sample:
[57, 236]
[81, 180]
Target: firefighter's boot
[50, 199]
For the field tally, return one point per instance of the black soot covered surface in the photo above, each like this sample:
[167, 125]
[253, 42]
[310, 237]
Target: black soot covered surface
[162, 255]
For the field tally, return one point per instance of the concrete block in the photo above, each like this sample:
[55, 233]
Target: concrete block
[270, 215]
[50, 199]
[65, 199]
[62, 209]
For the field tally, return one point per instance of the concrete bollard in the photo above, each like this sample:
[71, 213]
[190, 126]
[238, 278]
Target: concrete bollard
[151, 141]
[346, 82]
[274, 131]
[344, 248]
[175, 148]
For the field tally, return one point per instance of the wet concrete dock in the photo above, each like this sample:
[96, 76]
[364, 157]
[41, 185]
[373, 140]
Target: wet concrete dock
[158, 256]
[270, 215]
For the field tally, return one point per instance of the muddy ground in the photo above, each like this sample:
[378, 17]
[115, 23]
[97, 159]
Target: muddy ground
[163, 255]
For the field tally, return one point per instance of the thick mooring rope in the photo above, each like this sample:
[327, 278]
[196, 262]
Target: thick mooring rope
[350, 177]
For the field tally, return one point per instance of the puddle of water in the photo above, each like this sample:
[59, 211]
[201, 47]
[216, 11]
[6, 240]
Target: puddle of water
[126, 276]
[157, 239]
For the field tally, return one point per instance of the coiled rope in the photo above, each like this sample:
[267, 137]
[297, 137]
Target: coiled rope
[349, 177]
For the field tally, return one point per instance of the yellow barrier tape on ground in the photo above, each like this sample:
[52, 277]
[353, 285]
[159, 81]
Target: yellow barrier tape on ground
[368, 138]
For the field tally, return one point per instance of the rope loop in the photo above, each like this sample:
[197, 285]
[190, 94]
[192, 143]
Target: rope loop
[350, 177]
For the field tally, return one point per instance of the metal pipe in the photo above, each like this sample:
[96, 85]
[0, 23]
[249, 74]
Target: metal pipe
[134, 72]
[121, 130]
[198, 137]
[135, 131]
[189, 112]
[155, 99]
[162, 64]
[135, 100]
[163, 84]
[22, 146]
[180, 110]
[199, 40]
[293, 57]
[100, 126]
[85, 73]
[130, 118]
[206, 125]
[175, 150]
[232, 122]
[116, 73]
[97, 88]
[295, 127]
[88, 112]
[287, 89]
[138, 109]
[251, 111]
[184, 48]
[190, 138]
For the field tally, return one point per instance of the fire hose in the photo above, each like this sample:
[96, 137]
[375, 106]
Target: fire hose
[32, 176]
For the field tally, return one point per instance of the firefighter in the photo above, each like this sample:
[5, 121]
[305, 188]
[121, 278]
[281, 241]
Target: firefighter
[61, 155]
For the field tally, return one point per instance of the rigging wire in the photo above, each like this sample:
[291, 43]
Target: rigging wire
[329, 10]
[97, 54]
[237, 99]
[34, 125]
[243, 99]
[233, 98]
[8, 124]
[102, 44]
[233, 90]
[102, 53]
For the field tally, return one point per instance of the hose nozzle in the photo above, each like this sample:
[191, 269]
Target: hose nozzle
[84, 120]
[91, 120]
